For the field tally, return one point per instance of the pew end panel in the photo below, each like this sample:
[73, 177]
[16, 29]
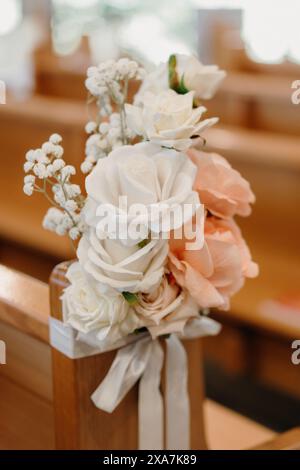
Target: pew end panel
[79, 424]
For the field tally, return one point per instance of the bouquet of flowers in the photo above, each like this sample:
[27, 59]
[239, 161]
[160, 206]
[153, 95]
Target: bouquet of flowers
[158, 245]
[157, 242]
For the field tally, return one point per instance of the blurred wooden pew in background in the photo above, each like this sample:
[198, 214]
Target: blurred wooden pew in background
[258, 342]
[257, 101]
[254, 95]
[61, 76]
[64, 76]
[25, 125]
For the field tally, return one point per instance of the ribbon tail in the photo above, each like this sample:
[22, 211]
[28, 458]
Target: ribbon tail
[177, 396]
[151, 412]
[126, 369]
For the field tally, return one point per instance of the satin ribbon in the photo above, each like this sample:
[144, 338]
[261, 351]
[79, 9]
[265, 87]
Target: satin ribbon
[142, 359]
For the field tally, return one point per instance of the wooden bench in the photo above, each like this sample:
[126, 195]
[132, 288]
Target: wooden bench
[257, 101]
[27, 408]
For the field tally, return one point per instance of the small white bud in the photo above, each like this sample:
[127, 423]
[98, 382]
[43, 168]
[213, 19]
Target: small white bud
[55, 139]
[67, 171]
[48, 148]
[28, 166]
[58, 151]
[28, 189]
[58, 165]
[74, 233]
[30, 156]
[73, 190]
[40, 170]
[71, 205]
[86, 167]
[50, 171]
[66, 222]
[104, 128]
[90, 127]
[29, 179]
[39, 154]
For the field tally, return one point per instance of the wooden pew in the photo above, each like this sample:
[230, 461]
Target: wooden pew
[27, 420]
[257, 101]
[64, 76]
[254, 95]
[27, 408]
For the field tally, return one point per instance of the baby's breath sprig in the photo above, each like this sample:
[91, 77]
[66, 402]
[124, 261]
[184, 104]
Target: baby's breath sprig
[108, 87]
[48, 174]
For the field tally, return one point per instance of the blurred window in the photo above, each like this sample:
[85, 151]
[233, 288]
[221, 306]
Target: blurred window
[10, 15]
[271, 30]
[150, 30]
[270, 27]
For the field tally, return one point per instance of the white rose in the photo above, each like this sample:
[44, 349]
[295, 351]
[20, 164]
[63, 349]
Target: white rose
[126, 269]
[166, 310]
[203, 79]
[168, 119]
[158, 182]
[87, 310]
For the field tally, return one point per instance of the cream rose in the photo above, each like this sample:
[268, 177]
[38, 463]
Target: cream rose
[168, 119]
[87, 309]
[126, 269]
[166, 310]
[159, 181]
[204, 80]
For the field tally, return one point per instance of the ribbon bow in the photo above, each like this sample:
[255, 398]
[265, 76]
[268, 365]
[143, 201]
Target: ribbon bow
[142, 359]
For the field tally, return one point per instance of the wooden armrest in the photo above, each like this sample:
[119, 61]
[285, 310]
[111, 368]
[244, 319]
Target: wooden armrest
[289, 440]
[24, 303]
[258, 147]
[228, 430]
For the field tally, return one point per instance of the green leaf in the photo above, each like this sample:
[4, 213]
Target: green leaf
[132, 299]
[172, 61]
[181, 89]
[144, 243]
[173, 77]
[140, 330]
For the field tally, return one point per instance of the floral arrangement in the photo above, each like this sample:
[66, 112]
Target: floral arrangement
[158, 244]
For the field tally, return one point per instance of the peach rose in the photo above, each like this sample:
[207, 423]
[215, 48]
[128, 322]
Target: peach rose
[222, 189]
[167, 309]
[217, 271]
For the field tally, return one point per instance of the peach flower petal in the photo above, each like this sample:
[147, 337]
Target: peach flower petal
[222, 189]
[217, 271]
